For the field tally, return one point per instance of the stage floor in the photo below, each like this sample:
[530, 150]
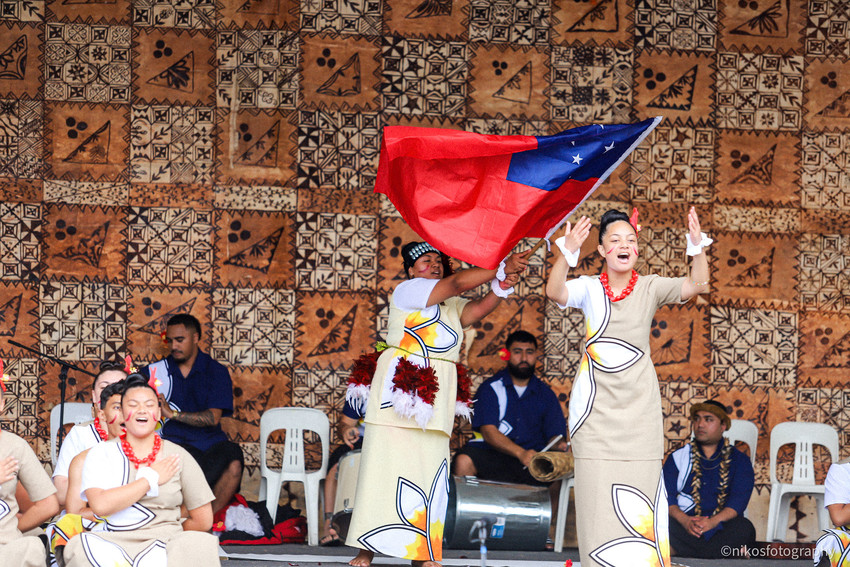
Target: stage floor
[305, 556]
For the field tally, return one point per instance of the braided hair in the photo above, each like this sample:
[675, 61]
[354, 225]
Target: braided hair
[696, 484]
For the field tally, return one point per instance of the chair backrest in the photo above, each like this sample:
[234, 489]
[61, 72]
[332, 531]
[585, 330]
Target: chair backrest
[804, 436]
[747, 433]
[295, 421]
[75, 412]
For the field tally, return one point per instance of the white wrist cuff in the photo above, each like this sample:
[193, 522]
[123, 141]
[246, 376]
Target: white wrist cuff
[152, 477]
[497, 289]
[500, 273]
[572, 257]
[696, 249]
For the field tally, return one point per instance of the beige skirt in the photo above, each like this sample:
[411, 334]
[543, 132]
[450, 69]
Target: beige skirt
[621, 513]
[402, 493]
[155, 547]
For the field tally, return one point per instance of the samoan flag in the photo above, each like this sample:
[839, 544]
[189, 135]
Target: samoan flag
[474, 196]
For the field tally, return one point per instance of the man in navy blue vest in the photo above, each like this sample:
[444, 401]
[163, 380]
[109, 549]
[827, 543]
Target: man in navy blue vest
[516, 415]
[195, 393]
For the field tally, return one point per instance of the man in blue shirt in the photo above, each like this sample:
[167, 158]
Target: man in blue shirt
[516, 415]
[709, 483]
[195, 393]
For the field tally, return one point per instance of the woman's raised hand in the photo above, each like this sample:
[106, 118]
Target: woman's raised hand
[694, 233]
[166, 468]
[574, 236]
[517, 262]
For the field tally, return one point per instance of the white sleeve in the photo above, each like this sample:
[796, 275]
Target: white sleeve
[576, 291]
[99, 469]
[837, 485]
[72, 445]
[412, 295]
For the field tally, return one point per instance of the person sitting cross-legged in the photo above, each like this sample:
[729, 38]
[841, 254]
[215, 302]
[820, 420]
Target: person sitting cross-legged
[709, 483]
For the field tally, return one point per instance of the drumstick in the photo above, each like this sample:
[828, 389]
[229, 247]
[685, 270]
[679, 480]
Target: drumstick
[549, 446]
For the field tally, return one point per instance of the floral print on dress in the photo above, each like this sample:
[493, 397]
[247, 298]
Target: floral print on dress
[420, 535]
[649, 543]
[607, 354]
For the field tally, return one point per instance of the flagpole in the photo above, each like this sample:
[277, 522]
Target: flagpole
[537, 246]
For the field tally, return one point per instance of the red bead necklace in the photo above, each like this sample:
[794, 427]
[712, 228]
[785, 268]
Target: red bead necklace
[626, 291]
[131, 456]
[100, 431]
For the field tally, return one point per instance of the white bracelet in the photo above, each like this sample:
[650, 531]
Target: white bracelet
[497, 289]
[571, 257]
[696, 249]
[152, 477]
[500, 273]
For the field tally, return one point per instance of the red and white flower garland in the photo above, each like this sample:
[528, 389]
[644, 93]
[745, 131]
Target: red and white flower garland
[414, 388]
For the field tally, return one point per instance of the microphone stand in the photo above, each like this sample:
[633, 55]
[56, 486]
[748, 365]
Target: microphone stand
[63, 380]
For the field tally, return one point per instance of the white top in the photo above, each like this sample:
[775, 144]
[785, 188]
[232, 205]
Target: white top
[837, 485]
[81, 437]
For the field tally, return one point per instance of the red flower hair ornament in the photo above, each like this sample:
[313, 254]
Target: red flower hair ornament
[633, 220]
[153, 382]
[504, 354]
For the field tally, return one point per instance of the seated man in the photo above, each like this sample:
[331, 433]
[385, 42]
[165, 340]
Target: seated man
[85, 435]
[18, 463]
[351, 432]
[833, 543]
[195, 393]
[709, 483]
[516, 415]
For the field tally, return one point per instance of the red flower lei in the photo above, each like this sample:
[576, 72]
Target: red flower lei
[414, 379]
[131, 456]
[464, 384]
[625, 293]
[100, 430]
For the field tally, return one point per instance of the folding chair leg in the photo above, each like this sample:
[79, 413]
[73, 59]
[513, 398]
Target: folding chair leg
[563, 509]
[772, 512]
[273, 497]
[311, 498]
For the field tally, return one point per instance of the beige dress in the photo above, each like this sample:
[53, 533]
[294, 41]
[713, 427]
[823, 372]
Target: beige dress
[148, 533]
[616, 426]
[17, 550]
[402, 488]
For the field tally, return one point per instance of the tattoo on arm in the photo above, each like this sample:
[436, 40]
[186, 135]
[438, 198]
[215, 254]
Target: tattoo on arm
[197, 419]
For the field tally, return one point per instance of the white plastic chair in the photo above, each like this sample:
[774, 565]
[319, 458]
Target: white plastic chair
[567, 483]
[295, 421]
[75, 412]
[803, 436]
[745, 432]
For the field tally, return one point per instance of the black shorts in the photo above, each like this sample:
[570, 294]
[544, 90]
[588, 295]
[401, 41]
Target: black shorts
[215, 461]
[495, 465]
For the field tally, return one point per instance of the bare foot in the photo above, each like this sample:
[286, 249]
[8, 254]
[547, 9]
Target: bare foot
[425, 564]
[363, 559]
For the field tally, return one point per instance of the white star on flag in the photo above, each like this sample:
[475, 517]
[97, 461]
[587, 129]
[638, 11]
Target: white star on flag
[609, 148]
[577, 159]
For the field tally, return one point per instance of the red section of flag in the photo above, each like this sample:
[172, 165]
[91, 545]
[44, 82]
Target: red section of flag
[452, 188]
